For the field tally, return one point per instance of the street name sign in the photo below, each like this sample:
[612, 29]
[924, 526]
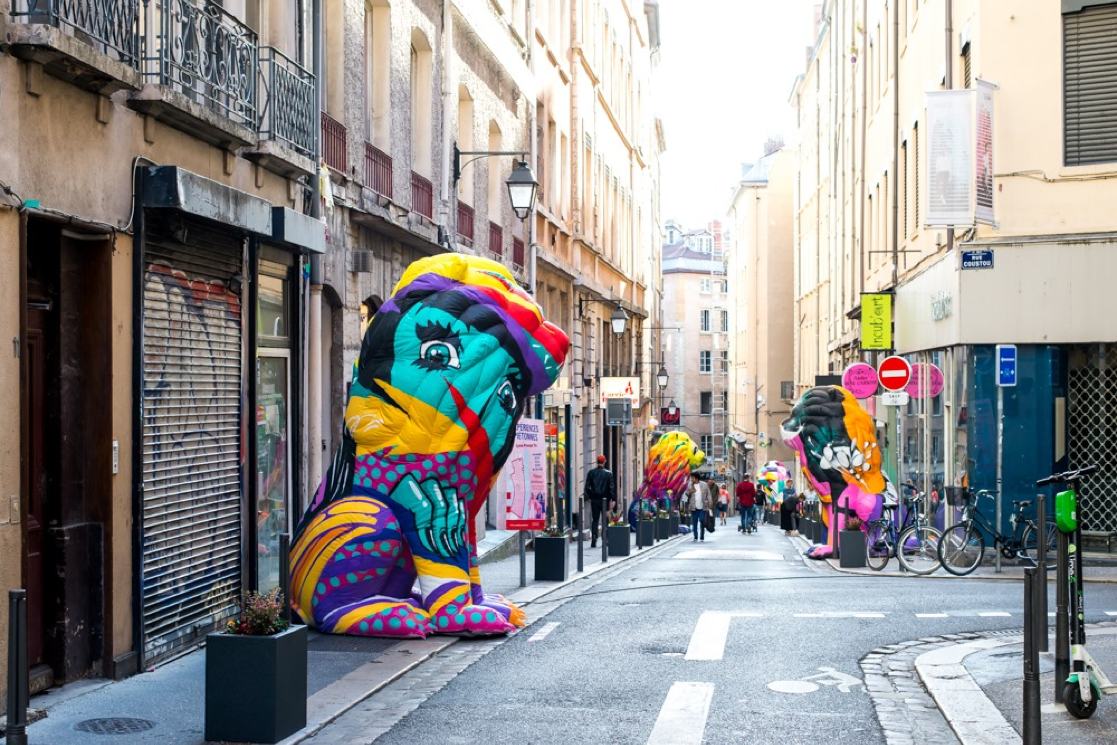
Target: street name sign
[894, 373]
[1006, 365]
[978, 259]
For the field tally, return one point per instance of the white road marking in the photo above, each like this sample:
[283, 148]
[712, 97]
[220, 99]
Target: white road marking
[682, 719]
[995, 614]
[930, 615]
[868, 615]
[1108, 613]
[540, 635]
[707, 642]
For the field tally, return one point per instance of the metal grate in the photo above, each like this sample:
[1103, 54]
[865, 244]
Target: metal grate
[1092, 429]
[115, 726]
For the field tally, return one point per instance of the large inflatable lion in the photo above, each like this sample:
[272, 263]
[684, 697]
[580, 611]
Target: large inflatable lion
[446, 367]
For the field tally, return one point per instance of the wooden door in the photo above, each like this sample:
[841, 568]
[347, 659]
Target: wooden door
[37, 482]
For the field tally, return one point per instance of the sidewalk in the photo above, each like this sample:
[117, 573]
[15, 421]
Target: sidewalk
[166, 705]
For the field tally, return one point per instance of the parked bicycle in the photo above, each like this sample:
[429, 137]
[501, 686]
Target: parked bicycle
[962, 547]
[914, 543]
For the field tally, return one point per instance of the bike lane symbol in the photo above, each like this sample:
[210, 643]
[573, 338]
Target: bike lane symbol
[828, 677]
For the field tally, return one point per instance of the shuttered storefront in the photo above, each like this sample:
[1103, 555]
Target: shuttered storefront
[1090, 85]
[192, 431]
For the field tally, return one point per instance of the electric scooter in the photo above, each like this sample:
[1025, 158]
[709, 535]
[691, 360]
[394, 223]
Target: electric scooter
[1087, 682]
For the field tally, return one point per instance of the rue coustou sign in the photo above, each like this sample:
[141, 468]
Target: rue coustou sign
[876, 320]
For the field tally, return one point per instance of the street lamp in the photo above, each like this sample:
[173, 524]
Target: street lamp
[618, 320]
[521, 182]
[662, 377]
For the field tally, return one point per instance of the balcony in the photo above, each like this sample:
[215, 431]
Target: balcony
[465, 221]
[378, 170]
[201, 65]
[422, 196]
[496, 240]
[517, 253]
[288, 102]
[334, 148]
[91, 43]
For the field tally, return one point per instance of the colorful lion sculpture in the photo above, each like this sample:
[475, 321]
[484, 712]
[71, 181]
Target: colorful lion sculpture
[773, 480]
[445, 370]
[670, 462]
[835, 440]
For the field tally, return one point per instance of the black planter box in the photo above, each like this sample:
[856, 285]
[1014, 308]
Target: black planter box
[620, 540]
[551, 558]
[852, 545]
[662, 528]
[819, 532]
[255, 686]
[674, 518]
[647, 533]
[805, 528]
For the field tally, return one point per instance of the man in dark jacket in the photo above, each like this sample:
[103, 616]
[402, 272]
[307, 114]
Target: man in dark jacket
[746, 503]
[600, 487]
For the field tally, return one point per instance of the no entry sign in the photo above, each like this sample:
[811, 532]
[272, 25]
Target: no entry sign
[894, 373]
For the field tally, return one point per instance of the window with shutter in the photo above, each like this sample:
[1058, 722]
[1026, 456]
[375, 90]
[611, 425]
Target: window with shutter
[1090, 85]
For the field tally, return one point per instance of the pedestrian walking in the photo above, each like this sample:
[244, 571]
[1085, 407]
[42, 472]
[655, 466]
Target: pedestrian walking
[723, 504]
[600, 488]
[789, 522]
[746, 504]
[368, 309]
[698, 498]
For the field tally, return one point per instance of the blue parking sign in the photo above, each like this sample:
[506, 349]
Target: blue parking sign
[1006, 365]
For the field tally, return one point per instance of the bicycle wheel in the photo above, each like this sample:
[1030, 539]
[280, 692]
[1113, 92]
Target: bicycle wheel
[878, 546]
[918, 549]
[1028, 544]
[961, 549]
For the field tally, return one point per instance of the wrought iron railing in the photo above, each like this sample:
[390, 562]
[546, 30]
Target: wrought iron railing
[288, 102]
[517, 253]
[422, 196]
[206, 53]
[112, 26]
[496, 239]
[378, 170]
[334, 149]
[465, 220]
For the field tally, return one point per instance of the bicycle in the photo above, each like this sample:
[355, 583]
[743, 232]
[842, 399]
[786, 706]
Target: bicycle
[919, 540]
[962, 547]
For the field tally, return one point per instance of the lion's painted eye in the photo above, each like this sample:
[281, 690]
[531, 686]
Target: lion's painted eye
[439, 355]
[506, 396]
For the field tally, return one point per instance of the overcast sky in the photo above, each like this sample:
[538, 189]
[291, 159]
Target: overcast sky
[722, 89]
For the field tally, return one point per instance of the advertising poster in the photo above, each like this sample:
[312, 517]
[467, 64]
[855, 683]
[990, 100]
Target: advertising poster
[523, 480]
[984, 160]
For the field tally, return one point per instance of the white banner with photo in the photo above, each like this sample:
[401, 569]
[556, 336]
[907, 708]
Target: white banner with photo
[950, 159]
[983, 163]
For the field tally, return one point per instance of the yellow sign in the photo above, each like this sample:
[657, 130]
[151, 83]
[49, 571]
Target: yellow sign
[876, 321]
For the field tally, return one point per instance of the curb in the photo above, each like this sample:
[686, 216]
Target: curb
[502, 550]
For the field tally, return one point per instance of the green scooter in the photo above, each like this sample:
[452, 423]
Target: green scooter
[1087, 682]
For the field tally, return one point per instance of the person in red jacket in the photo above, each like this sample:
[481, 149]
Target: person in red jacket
[746, 504]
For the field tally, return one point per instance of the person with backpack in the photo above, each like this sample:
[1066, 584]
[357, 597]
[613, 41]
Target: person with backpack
[746, 503]
[698, 498]
[600, 486]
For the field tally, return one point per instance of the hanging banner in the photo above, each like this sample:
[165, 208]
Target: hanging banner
[876, 320]
[950, 159]
[524, 478]
[983, 163]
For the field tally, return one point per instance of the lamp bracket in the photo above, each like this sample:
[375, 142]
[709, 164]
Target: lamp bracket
[475, 155]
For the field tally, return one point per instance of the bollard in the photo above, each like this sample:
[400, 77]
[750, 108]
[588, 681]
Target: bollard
[1041, 557]
[604, 531]
[17, 667]
[523, 559]
[581, 534]
[285, 574]
[1062, 615]
[1033, 734]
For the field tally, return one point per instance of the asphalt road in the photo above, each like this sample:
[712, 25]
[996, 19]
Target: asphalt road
[621, 662]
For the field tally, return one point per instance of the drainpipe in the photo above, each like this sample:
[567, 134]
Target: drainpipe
[896, 141]
[949, 80]
[861, 51]
[313, 344]
[449, 90]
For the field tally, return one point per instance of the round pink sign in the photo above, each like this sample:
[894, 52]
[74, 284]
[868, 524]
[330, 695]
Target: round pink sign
[926, 381]
[860, 379]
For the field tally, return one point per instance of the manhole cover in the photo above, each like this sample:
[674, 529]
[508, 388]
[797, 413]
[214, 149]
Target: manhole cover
[114, 726]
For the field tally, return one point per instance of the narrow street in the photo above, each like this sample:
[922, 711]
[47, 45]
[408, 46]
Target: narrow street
[696, 643]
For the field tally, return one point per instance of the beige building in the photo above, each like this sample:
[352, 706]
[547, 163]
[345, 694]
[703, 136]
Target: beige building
[761, 267]
[868, 183]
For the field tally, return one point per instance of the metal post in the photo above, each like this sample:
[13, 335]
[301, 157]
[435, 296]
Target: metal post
[17, 667]
[1041, 557]
[1033, 734]
[604, 530]
[523, 559]
[1000, 463]
[581, 531]
[285, 574]
[1062, 627]
[639, 520]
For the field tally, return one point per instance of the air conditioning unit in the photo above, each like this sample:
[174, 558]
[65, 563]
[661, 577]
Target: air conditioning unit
[362, 261]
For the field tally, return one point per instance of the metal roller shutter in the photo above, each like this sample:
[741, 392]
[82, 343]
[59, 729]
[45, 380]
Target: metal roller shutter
[192, 432]
[1090, 85]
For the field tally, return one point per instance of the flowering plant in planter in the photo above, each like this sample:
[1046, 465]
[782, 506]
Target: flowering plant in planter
[553, 532]
[261, 615]
[853, 523]
[615, 519]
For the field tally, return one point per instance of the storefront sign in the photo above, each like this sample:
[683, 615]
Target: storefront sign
[979, 259]
[525, 479]
[621, 388]
[860, 379]
[926, 381]
[876, 320]
[894, 398]
[670, 416]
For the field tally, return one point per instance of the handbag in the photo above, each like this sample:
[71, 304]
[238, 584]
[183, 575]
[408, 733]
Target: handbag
[710, 522]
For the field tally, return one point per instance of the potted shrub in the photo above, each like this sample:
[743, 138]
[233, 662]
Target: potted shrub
[852, 544]
[551, 555]
[256, 674]
[620, 535]
[662, 526]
